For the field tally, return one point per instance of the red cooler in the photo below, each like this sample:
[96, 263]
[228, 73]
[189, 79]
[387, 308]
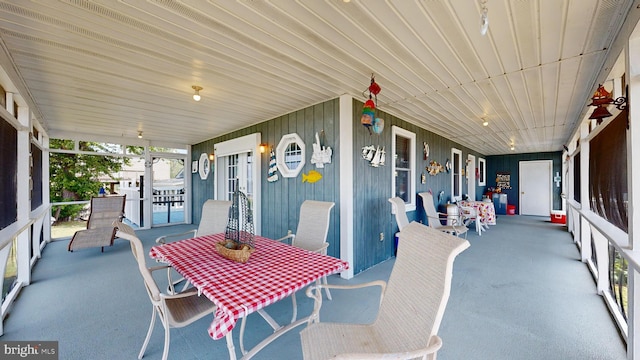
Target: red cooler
[558, 217]
[511, 209]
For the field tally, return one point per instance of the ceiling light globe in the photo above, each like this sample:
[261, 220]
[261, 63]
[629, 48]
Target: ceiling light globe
[196, 94]
[485, 123]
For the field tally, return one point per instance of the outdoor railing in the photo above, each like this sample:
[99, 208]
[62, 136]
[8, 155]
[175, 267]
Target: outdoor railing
[611, 261]
[166, 199]
[23, 236]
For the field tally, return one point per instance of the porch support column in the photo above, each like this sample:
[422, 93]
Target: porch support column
[585, 230]
[346, 183]
[24, 195]
[633, 179]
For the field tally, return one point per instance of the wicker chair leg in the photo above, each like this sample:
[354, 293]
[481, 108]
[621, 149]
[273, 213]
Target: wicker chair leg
[146, 340]
[295, 307]
[165, 352]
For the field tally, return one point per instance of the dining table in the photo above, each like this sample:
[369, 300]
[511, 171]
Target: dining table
[485, 210]
[274, 271]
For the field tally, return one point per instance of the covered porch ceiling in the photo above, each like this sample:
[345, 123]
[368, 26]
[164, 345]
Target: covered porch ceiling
[114, 68]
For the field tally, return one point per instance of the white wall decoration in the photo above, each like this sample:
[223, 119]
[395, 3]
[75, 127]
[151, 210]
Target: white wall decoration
[204, 166]
[290, 155]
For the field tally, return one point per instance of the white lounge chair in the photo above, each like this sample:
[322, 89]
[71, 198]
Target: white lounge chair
[100, 231]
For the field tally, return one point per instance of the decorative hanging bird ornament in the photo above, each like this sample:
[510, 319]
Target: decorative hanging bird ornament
[369, 109]
[368, 113]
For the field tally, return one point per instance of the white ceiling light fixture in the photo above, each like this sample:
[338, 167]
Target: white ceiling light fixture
[485, 122]
[484, 18]
[513, 147]
[140, 134]
[196, 95]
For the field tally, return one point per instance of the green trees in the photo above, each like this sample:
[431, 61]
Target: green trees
[76, 176]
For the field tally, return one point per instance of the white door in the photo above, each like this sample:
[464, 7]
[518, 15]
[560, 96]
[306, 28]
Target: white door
[535, 187]
[471, 177]
[237, 166]
[235, 172]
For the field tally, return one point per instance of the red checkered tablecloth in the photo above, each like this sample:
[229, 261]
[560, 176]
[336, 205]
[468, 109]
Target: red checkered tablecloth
[273, 272]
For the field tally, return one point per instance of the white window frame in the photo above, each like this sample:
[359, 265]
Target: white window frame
[244, 144]
[482, 168]
[456, 170]
[398, 131]
[281, 157]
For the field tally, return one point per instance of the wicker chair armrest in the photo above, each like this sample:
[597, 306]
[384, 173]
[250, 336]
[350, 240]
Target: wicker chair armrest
[288, 236]
[435, 219]
[461, 229]
[323, 248]
[312, 293]
[158, 267]
[163, 239]
[187, 293]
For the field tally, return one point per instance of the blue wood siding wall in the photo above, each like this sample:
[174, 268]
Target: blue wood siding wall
[511, 162]
[281, 200]
[372, 210]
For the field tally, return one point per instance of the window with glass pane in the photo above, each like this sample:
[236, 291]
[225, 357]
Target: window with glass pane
[402, 167]
[232, 175]
[456, 174]
[403, 182]
[482, 172]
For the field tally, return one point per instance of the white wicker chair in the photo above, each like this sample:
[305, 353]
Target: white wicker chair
[213, 221]
[311, 234]
[398, 208]
[100, 231]
[174, 310]
[411, 308]
[433, 217]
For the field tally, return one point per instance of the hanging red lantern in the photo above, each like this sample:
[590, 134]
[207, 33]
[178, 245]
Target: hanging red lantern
[369, 108]
[374, 88]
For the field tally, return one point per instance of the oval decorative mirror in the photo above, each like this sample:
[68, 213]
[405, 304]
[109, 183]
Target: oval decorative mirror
[290, 155]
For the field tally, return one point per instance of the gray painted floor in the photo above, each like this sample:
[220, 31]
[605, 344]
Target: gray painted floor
[519, 292]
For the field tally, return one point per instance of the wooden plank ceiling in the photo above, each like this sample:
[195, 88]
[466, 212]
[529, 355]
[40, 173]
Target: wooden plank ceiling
[114, 68]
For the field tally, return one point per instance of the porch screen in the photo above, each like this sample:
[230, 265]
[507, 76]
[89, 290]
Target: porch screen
[608, 172]
[576, 177]
[36, 177]
[8, 181]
